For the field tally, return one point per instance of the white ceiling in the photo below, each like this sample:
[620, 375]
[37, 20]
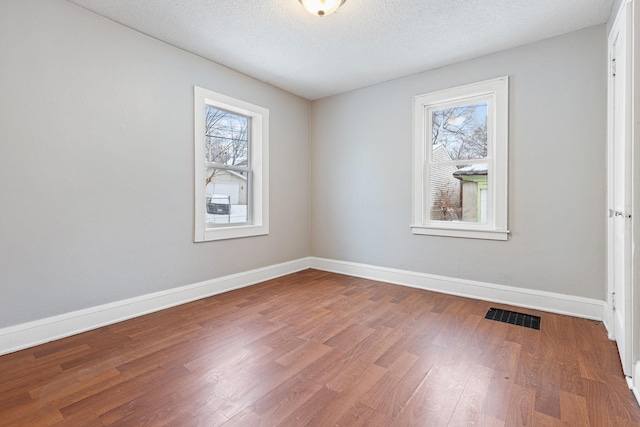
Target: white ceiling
[363, 43]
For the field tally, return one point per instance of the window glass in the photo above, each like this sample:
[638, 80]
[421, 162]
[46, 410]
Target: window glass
[226, 137]
[462, 131]
[474, 183]
[227, 157]
[227, 196]
[444, 192]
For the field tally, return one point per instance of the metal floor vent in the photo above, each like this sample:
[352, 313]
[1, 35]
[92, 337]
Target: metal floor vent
[513, 318]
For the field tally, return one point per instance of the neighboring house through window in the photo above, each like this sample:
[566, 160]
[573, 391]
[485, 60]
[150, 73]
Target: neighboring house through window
[460, 161]
[231, 167]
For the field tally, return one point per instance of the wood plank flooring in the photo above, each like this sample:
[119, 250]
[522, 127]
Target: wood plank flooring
[322, 349]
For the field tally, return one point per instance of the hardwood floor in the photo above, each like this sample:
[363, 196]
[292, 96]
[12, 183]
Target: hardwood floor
[321, 349]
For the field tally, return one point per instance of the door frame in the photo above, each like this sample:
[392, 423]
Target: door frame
[624, 18]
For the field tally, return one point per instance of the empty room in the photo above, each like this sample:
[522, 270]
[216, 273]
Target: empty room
[319, 213]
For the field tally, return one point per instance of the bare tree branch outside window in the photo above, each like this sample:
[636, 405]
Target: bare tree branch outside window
[462, 131]
[226, 139]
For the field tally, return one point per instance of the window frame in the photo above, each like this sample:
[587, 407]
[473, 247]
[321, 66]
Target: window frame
[257, 168]
[496, 93]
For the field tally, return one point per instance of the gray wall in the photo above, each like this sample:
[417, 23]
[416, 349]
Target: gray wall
[361, 172]
[96, 164]
[96, 168]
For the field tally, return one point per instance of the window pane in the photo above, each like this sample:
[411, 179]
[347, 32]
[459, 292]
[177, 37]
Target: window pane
[226, 137]
[461, 132]
[444, 197]
[473, 192]
[459, 193]
[226, 193]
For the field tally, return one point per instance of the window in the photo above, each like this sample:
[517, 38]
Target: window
[231, 167]
[460, 161]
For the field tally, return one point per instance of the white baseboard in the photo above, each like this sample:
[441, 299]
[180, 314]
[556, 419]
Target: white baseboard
[539, 300]
[18, 337]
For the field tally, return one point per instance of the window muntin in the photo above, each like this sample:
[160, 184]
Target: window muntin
[231, 159]
[460, 161]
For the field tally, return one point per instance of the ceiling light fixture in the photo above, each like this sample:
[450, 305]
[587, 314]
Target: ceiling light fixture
[321, 7]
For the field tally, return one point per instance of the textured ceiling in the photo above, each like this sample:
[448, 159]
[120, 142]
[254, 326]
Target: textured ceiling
[363, 43]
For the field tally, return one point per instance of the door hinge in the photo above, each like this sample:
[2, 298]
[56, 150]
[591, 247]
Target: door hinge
[613, 67]
[613, 300]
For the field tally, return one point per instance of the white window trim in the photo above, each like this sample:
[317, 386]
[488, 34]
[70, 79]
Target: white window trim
[497, 90]
[259, 164]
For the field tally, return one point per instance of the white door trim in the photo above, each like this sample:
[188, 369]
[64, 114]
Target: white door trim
[622, 25]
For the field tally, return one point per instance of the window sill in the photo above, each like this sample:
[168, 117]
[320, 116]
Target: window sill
[223, 233]
[467, 233]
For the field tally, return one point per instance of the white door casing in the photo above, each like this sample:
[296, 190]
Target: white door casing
[619, 251]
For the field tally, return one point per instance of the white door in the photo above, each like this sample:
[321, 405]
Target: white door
[619, 241]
